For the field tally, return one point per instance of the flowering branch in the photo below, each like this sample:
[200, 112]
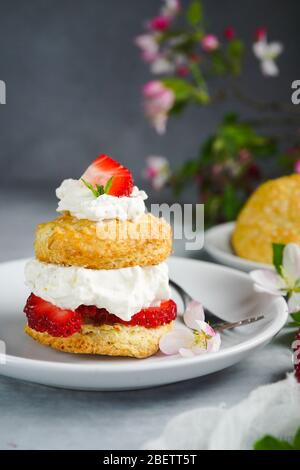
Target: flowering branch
[178, 47]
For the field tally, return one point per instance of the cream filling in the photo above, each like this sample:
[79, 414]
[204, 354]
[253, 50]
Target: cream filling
[123, 292]
[77, 199]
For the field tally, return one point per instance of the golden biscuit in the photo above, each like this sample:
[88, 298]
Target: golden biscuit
[110, 245]
[271, 215]
[108, 340]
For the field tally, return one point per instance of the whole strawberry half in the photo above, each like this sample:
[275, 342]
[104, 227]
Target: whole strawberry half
[105, 168]
[151, 317]
[46, 317]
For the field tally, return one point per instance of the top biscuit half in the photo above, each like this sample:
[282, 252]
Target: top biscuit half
[110, 245]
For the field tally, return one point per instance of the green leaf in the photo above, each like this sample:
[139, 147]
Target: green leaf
[219, 65]
[296, 440]
[231, 203]
[99, 190]
[235, 48]
[296, 317]
[272, 443]
[90, 187]
[194, 13]
[108, 185]
[230, 118]
[293, 324]
[182, 89]
[234, 55]
[178, 107]
[201, 96]
[277, 256]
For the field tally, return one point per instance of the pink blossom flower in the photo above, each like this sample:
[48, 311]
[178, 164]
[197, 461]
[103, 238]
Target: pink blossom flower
[158, 102]
[149, 46]
[210, 43]
[288, 282]
[229, 33]
[157, 171]
[159, 23]
[198, 337]
[171, 8]
[297, 166]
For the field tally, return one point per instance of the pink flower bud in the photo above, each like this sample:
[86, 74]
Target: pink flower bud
[229, 33]
[182, 71]
[159, 23]
[260, 33]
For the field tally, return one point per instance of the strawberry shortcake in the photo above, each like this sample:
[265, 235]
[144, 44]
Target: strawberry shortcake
[99, 281]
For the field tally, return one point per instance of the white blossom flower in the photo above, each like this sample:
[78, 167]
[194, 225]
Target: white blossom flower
[171, 8]
[149, 46]
[161, 65]
[285, 283]
[267, 53]
[198, 338]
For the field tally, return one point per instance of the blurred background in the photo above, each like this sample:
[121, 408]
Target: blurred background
[74, 78]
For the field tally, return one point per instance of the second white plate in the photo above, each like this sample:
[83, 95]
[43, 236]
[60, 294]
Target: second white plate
[218, 244]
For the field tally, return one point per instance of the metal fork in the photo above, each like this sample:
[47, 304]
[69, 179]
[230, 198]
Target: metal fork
[216, 322]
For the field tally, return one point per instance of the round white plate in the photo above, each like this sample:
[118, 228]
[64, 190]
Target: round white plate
[217, 243]
[227, 292]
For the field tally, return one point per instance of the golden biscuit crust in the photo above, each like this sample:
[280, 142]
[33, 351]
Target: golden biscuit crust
[110, 245]
[271, 215]
[107, 340]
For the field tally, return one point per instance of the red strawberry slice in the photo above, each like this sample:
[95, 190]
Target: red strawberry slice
[151, 317]
[46, 317]
[102, 169]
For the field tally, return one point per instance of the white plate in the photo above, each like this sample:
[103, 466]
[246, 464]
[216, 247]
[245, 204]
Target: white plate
[218, 244]
[227, 292]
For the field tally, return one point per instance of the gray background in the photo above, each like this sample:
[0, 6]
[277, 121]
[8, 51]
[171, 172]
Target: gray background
[74, 78]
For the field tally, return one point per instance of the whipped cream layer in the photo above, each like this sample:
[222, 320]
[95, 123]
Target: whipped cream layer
[76, 198]
[123, 292]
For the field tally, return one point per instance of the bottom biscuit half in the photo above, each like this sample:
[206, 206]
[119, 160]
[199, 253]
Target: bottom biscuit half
[107, 340]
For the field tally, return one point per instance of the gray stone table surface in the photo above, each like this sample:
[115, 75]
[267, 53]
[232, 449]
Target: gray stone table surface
[39, 417]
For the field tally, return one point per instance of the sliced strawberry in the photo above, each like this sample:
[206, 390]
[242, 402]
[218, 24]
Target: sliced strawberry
[148, 317]
[46, 317]
[102, 169]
